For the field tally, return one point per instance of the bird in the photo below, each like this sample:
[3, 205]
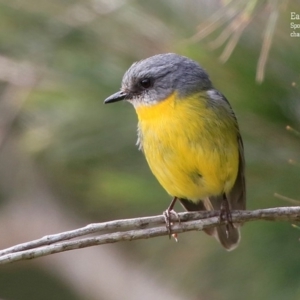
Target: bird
[190, 137]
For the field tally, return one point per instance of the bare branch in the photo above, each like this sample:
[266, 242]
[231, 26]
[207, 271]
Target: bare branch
[143, 228]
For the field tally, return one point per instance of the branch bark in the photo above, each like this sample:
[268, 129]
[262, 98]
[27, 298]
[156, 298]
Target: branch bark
[134, 229]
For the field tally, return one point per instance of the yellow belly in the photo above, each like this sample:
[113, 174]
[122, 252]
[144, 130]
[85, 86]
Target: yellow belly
[191, 147]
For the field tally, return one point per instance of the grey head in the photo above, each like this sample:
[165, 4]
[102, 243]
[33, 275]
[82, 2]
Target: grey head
[154, 79]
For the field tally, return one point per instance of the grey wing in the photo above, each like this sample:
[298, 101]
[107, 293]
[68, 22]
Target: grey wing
[237, 195]
[237, 201]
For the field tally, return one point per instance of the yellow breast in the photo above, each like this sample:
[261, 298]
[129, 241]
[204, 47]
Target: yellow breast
[191, 146]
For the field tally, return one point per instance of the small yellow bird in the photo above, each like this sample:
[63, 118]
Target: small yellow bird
[190, 137]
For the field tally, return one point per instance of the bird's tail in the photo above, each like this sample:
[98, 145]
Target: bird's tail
[228, 240]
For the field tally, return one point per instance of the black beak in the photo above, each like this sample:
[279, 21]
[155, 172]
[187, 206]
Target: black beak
[115, 97]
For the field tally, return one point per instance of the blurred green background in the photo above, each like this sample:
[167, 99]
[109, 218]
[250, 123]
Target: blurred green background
[67, 160]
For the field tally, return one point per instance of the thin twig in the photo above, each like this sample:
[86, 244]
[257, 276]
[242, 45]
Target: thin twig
[267, 42]
[290, 200]
[294, 131]
[189, 221]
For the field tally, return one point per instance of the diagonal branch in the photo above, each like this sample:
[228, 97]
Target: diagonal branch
[134, 229]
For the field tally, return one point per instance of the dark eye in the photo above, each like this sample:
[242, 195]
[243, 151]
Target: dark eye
[145, 83]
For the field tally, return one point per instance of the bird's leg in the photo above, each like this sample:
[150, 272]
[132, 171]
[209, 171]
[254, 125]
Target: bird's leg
[167, 215]
[225, 214]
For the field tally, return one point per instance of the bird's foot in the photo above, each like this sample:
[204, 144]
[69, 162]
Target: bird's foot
[167, 216]
[225, 214]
